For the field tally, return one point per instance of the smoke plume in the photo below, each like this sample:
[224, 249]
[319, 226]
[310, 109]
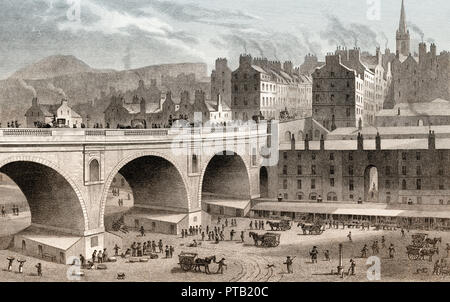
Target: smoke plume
[57, 90]
[28, 87]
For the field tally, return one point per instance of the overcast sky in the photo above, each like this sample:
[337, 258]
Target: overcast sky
[123, 34]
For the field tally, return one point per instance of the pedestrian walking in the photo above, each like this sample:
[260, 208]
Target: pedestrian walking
[364, 251]
[116, 250]
[351, 269]
[288, 263]
[313, 253]
[242, 236]
[10, 263]
[21, 264]
[327, 255]
[232, 235]
[349, 236]
[221, 264]
[39, 269]
[391, 251]
[142, 231]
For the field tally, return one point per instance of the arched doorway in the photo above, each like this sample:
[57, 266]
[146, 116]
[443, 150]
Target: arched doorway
[263, 182]
[371, 184]
[52, 200]
[146, 185]
[225, 180]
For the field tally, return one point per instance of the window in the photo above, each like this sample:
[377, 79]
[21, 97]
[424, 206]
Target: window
[299, 183]
[299, 156]
[350, 170]
[417, 155]
[387, 184]
[331, 170]
[94, 170]
[404, 156]
[286, 196]
[351, 185]
[350, 156]
[313, 156]
[419, 170]
[331, 156]
[388, 170]
[300, 196]
[299, 170]
[285, 155]
[285, 170]
[94, 241]
[285, 184]
[419, 184]
[313, 169]
[441, 184]
[331, 182]
[404, 170]
[194, 161]
[313, 183]
[403, 184]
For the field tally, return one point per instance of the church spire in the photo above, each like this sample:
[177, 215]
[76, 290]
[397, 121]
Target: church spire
[403, 38]
[402, 25]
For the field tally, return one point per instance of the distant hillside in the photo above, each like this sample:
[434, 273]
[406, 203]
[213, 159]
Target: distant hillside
[51, 67]
[66, 76]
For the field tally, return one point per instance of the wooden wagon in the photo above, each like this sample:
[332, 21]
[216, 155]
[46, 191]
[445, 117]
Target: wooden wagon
[187, 261]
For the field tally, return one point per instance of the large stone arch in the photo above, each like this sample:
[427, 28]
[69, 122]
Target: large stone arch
[48, 164]
[128, 160]
[205, 167]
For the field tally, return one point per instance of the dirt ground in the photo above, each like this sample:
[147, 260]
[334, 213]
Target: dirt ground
[245, 262]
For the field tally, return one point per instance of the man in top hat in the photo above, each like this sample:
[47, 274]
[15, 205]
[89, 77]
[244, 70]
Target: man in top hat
[288, 263]
[351, 269]
[221, 264]
[39, 269]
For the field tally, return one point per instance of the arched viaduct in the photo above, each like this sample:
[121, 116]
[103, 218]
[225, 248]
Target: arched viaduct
[65, 174]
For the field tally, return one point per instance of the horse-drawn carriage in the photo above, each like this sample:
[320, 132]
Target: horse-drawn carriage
[267, 239]
[311, 228]
[191, 261]
[282, 225]
[422, 246]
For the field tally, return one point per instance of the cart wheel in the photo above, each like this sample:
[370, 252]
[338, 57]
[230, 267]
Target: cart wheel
[186, 266]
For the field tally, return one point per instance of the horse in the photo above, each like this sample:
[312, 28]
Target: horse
[433, 241]
[275, 226]
[428, 252]
[309, 228]
[256, 237]
[205, 262]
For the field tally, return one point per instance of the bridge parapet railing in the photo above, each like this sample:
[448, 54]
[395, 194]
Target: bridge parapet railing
[27, 132]
[147, 132]
[95, 132]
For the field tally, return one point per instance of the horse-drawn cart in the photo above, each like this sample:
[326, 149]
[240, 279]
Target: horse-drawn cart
[267, 239]
[187, 261]
[422, 246]
[282, 225]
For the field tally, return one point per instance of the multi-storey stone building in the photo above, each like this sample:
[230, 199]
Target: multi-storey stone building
[265, 88]
[375, 170]
[349, 89]
[221, 81]
[421, 78]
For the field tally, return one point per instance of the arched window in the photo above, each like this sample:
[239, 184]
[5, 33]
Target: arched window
[287, 136]
[313, 196]
[300, 196]
[332, 196]
[94, 170]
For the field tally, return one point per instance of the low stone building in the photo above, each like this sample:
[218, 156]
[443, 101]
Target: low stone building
[436, 112]
[60, 115]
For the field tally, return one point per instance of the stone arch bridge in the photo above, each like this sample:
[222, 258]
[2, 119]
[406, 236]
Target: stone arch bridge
[65, 174]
